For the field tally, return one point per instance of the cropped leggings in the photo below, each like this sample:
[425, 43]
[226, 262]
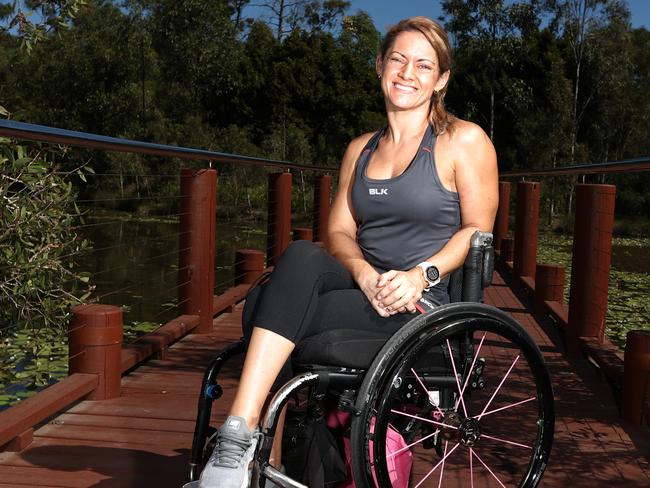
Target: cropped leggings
[310, 292]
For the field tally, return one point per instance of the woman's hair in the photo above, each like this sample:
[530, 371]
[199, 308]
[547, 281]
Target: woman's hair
[437, 37]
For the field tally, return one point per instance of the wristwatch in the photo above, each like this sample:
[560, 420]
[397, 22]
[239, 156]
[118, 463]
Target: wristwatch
[431, 274]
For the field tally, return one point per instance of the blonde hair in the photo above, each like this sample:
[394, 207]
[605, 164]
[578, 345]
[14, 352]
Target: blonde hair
[437, 37]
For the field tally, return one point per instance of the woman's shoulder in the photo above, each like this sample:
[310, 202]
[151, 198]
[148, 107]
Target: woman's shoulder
[355, 147]
[359, 142]
[463, 132]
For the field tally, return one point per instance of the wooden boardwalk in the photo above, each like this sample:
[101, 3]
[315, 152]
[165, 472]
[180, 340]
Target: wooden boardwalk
[143, 438]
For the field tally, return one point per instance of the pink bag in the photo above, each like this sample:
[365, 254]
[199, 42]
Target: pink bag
[399, 465]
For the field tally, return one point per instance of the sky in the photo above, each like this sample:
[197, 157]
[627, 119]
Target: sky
[387, 12]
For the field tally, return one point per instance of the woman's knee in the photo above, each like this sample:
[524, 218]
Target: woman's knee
[299, 251]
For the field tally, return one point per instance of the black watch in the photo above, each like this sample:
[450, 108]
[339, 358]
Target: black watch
[431, 274]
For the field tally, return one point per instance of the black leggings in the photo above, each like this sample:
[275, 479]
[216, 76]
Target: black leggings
[310, 292]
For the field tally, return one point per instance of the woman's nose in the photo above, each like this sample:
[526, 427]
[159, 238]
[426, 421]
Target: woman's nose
[407, 70]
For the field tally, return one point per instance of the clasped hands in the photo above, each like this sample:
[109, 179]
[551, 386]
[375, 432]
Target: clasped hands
[394, 291]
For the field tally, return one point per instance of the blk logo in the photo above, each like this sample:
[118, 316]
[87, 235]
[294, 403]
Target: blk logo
[378, 191]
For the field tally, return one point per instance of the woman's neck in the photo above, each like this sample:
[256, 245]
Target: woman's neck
[407, 124]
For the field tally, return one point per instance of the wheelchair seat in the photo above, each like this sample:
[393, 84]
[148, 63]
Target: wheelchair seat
[355, 349]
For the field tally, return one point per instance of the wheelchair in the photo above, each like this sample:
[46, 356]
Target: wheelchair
[464, 385]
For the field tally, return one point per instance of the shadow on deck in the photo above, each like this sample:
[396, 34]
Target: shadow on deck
[143, 437]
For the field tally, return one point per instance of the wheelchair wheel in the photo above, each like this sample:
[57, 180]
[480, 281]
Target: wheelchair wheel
[467, 390]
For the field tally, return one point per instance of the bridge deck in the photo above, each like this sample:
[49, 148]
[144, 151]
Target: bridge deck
[143, 437]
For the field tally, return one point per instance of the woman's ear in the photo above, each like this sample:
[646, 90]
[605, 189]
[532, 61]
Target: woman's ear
[379, 66]
[443, 80]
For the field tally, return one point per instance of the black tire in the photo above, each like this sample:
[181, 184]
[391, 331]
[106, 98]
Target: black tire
[515, 448]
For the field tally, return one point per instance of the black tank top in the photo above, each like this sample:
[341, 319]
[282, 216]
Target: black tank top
[404, 220]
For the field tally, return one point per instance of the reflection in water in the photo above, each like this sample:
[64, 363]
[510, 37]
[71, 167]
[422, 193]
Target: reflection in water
[134, 264]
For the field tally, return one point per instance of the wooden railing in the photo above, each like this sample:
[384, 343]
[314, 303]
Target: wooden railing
[582, 321]
[97, 357]
[96, 329]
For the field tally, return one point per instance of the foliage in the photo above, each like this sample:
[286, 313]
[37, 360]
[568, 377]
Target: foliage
[38, 242]
[554, 82]
[54, 15]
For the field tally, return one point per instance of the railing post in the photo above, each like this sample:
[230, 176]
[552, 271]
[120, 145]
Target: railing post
[322, 195]
[636, 381]
[279, 223]
[526, 229]
[249, 265]
[196, 245]
[549, 286]
[503, 214]
[590, 263]
[95, 346]
[507, 250]
[303, 234]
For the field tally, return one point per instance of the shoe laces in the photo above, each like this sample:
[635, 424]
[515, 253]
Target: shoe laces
[230, 450]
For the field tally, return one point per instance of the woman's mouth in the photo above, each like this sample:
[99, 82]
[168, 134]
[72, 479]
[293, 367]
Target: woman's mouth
[404, 88]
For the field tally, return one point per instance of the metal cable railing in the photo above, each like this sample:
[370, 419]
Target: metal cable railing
[135, 262]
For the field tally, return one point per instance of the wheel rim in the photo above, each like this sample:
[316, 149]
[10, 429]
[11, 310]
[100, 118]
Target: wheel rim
[499, 435]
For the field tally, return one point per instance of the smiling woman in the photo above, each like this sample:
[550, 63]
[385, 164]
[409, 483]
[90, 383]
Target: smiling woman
[410, 197]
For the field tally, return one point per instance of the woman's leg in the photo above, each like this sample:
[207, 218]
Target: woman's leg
[278, 317]
[267, 353]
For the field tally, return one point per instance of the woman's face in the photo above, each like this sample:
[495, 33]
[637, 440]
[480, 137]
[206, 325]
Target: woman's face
[409, 72]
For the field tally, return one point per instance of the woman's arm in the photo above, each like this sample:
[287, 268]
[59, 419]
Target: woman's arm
[474, 164]
[342, 228]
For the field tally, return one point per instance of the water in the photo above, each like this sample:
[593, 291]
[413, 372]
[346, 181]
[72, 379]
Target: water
[629, 281]
[134, 264]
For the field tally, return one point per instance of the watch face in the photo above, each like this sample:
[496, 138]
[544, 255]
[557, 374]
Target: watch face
[432, 273]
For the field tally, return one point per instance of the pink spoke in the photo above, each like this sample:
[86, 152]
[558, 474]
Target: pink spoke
[426, 391]
[442, 469]
[411, 445]
[470, 370]
[471, 469]
[486, 467]
[498, 387]
[436, 466]
[453, 365]
[423, 419]
[506, 442]
[509, 406]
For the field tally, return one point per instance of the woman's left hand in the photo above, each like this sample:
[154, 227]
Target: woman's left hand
[400, 290]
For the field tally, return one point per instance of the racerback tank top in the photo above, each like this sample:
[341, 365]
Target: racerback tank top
[404, 220]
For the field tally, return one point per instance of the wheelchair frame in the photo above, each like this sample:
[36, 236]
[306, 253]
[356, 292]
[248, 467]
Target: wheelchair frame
[380, 388]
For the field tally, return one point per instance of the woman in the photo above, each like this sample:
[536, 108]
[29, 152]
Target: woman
[409, 198]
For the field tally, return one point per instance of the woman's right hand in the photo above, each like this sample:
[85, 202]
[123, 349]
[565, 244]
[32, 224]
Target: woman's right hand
[368, 281]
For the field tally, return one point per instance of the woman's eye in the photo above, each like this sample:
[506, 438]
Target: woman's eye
[396, 59]
[425, 67]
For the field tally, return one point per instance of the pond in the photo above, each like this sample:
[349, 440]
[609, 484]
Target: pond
[134, 264]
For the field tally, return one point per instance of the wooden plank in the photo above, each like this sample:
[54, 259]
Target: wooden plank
[230, 297]
[156, 341]
[146, 437]
[109, 421]
[559, 312]
[29, 412]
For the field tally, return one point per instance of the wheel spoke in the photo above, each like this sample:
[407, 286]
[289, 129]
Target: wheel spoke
[417, 377]
[478, 350]
[498, 387]
[471, 469]
[436, 466]
[453, 366]
[506, 442]
[489, 470]
[412, 444]
[442, 468]
[416, 417]
[508, 406]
